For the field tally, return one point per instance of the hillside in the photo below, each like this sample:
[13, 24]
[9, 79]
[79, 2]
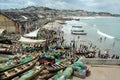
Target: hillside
[45, 11]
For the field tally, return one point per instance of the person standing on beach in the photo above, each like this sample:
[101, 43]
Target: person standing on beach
[78, 37]
[113, 43]
[90, 44]
[100, 39]
[99, 53]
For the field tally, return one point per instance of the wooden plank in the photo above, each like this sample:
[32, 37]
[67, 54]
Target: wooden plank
[17, 70]
[7, 74]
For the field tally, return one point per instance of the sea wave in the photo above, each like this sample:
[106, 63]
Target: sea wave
[105, 35]
[87, 17]
[94, 17]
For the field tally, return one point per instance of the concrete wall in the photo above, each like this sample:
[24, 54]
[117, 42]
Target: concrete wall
[98, 61]
[7, 24]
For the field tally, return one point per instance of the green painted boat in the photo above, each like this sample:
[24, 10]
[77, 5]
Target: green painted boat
[16, 71]
[31, 75]
[15, 63]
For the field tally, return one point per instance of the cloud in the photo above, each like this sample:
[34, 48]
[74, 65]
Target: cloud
[29, 3]
[112, 6]
[58, 4]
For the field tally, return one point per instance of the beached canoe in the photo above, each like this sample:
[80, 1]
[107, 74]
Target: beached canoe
[45, 76]
[60, 47]
[5, 45]
[11, 73]
[55, 67]
[77, 19]
[10, 65]
[5, 40]
[5, 51]
[31, 75]
[47, 73]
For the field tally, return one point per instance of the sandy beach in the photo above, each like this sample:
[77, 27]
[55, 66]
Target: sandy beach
[104, 72]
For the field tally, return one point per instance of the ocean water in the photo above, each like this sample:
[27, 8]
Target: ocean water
[108, 28]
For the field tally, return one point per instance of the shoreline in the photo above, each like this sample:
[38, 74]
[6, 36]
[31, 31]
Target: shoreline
[92, 36]
[83, 39]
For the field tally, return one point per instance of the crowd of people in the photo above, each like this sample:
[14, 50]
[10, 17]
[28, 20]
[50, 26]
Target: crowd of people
[106, 55]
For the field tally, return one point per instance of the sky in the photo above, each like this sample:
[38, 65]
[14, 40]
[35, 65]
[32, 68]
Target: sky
[112, 6]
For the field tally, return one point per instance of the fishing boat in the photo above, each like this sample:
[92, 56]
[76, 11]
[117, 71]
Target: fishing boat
[56, 67]
[79, 30]
[77, 26]
[77, 19]
[50, 71]
[45, 77]
[17, 70]
[9, 58]
[5, 45]
[16, 63]
[31, 75]
[5, 51]
[5, 40]
[39, 72]
[79, 33]
[60, 47]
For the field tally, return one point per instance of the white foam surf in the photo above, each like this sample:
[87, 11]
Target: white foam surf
[105, 35]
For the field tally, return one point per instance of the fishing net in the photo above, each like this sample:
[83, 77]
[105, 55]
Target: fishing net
[78, 63]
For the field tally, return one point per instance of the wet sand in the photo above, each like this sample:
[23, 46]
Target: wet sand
[106, 72]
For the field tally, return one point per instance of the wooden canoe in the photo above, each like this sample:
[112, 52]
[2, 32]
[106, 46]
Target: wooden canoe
[79, 33]
[5, 40]
[45, 76]
[77, 26]
[16, 71]
[5, 51]
[36, 71]
[55, 68]
[16, 65]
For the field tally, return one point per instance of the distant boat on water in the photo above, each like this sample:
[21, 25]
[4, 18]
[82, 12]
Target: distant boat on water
[77, 19]
[81, 30]
[76, 26]
[78, 30]
[79, 33]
